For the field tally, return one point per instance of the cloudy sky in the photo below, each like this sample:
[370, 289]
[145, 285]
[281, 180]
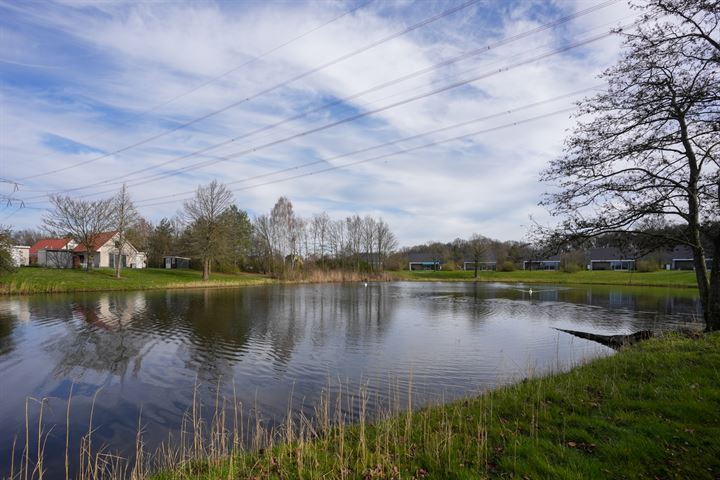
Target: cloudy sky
[288, 98]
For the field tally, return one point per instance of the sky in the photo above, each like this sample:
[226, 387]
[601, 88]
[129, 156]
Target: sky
[287, 98]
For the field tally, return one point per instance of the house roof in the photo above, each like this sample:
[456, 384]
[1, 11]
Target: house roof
[487, 257]
[100, 240]
[49, 244]
[424, 257]
[610, 253]
[551, 258]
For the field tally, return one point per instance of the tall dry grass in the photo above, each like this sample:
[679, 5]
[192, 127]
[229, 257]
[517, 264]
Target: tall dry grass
[230, 438]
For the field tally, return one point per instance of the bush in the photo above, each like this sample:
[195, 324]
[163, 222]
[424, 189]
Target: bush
[647, 266]
[571, 267]
[506, 266]
[7, 264]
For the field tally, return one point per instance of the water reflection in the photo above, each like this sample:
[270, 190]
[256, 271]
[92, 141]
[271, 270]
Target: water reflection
[149, 351]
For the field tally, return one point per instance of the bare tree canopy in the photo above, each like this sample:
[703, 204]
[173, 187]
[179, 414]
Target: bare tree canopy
[81, 220]
[479, 247]
[126, 217]
[204, 214]
[646, 148]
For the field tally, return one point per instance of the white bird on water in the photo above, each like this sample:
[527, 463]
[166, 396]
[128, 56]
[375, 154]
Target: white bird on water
[530, 291]
[365, 284]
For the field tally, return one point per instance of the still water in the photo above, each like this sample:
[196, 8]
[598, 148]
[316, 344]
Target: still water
[142, 355]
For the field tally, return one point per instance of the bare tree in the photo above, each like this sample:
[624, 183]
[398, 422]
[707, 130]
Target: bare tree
[648, 146]
[204, 214]
[320, 229]
[368, 233]
[479, 246]
[338, 240]
[385, 242]
[27, 236]
[354, 238]
[284, 227]
[264, 242]
[126, 217]
[81, 220]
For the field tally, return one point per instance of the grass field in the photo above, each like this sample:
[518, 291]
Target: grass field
[663, 278]
[47, 280]
[651, 411]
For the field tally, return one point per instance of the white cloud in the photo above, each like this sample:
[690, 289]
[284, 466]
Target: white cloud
[119, 59]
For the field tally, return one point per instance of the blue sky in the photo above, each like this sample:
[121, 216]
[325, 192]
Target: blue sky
[82, 80]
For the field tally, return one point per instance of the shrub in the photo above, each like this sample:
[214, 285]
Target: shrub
[647, 266]
[571, 267]
[506, 266]
[7, 264]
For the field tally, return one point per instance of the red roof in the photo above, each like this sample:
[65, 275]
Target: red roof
[49, 244]
[100, 240]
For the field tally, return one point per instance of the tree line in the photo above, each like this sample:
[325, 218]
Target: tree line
[219, 236]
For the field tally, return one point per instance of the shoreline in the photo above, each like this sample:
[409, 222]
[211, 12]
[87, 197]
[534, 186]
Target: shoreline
[635, 414]
[37, 281]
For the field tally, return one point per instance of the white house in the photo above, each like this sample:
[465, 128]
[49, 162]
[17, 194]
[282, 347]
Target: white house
[106, 254]
[66, 253]
[20, 255]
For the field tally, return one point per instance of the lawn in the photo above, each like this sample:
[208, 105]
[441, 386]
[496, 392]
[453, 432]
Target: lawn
[662, 278]
[651, 411]
[48, 280]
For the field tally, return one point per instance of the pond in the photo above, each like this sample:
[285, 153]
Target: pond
[143, 357]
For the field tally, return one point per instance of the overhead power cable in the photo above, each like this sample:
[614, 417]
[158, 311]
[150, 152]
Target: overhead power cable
[387, 144]
[369, 112]
[276, 86]
[380, 86]
[337, 122]
[205, 83]
[391, 154]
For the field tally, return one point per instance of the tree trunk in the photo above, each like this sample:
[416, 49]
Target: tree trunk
[476, 267]
[206, 269]
[712, 315]
[117, 264]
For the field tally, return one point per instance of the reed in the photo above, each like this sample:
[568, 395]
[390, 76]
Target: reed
[650, 411]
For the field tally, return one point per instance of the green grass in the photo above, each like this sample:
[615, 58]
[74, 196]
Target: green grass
[651, 411]
[662, 278]
[47, 280]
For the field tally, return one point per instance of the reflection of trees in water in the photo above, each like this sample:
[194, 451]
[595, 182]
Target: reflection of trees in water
[215, 328]
[369, 311]
[223, 325]
[101, 335]
[7, 322]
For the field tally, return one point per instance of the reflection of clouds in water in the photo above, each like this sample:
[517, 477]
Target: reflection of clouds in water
[271, 342]
[18, 307]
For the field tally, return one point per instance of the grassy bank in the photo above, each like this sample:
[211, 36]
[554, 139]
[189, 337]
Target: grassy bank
[661, 278]
[652, 411]
[48, 280]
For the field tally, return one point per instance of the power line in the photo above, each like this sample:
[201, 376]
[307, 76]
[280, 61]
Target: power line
[206, 83]
[392, 142]
[277, 85]
[339, 122]
[380, 86]
[391, 154]
[371, 112]
[389, 143]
